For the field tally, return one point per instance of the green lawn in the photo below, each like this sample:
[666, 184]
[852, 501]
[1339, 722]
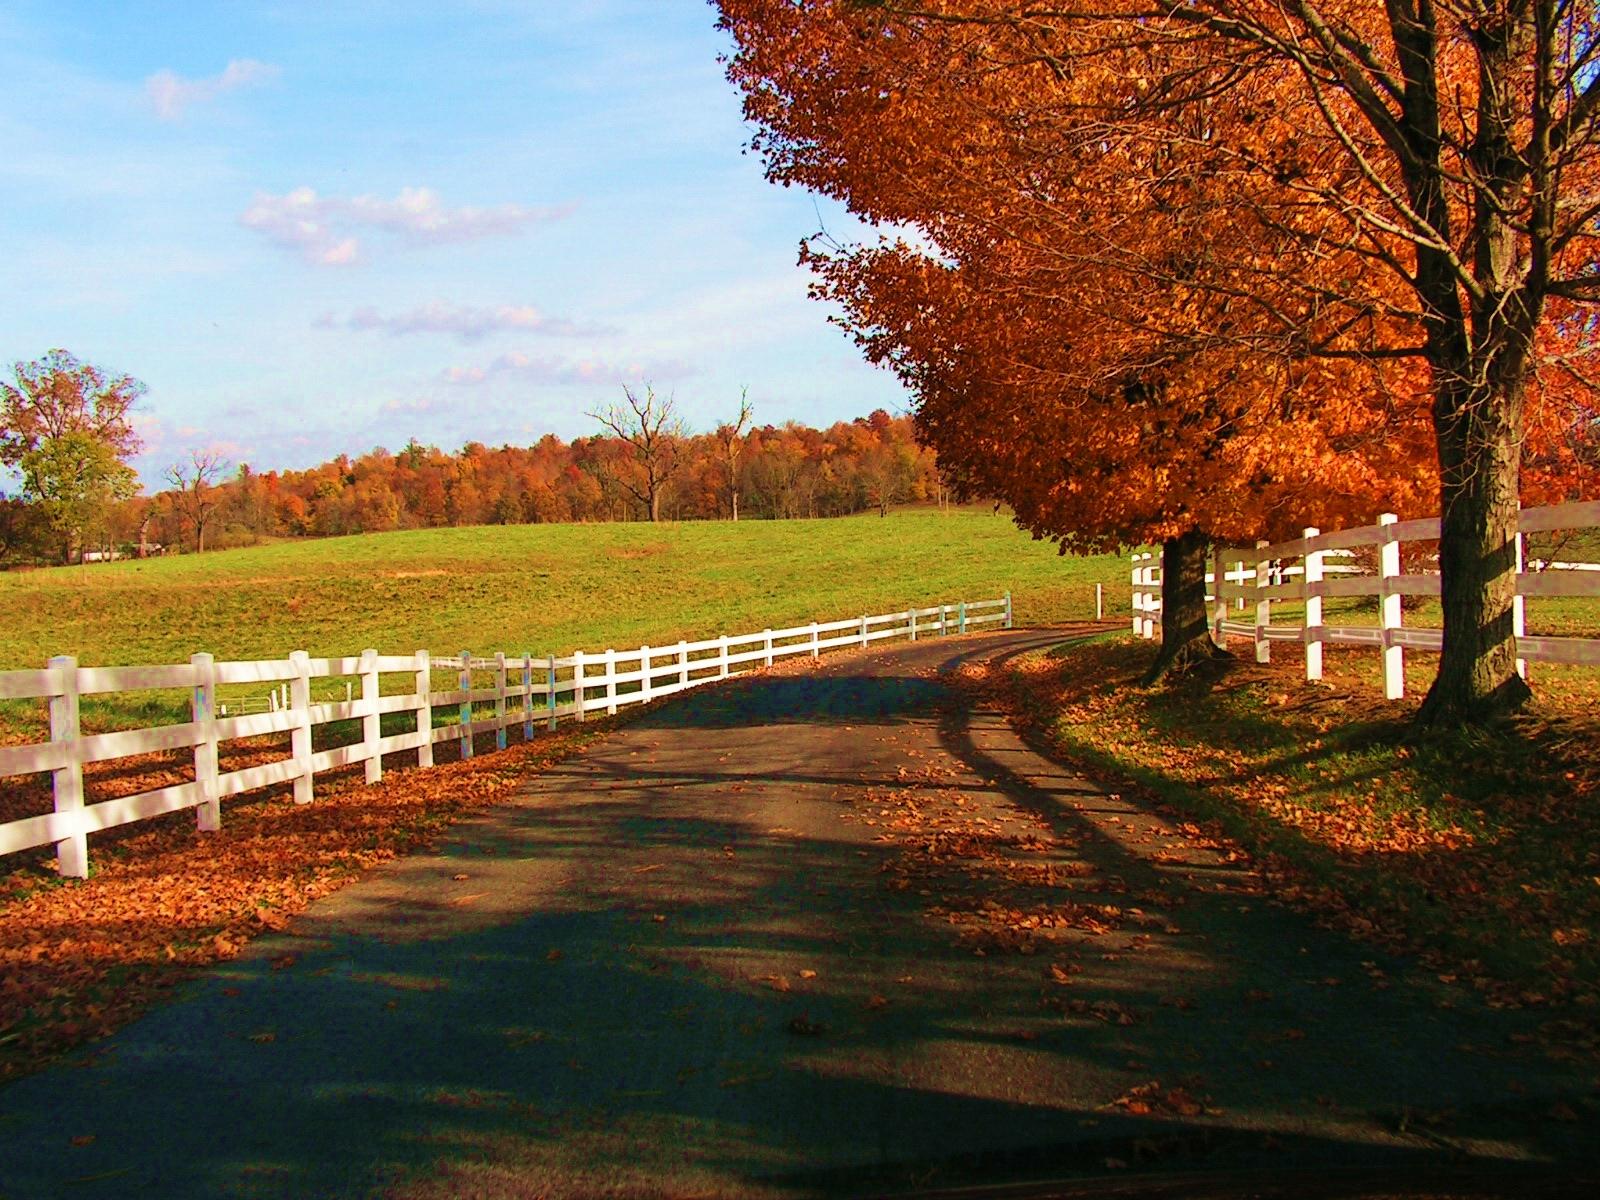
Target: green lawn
[539, 588]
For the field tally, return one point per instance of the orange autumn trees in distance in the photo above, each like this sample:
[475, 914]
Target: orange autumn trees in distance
[781, 471]
[1403, 188]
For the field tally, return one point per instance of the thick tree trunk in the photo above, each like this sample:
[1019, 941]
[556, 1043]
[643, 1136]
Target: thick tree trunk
[1479, 456]
[1185, 624]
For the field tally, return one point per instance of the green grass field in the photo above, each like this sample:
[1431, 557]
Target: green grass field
[525, 588]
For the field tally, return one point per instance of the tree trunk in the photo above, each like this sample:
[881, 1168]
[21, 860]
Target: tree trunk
[735, 506]
[1479, 457]
[1185, 623]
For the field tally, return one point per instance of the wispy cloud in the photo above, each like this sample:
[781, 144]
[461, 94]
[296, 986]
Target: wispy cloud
[529, 369]
[324, 229]
[170, 93]
[466, 322]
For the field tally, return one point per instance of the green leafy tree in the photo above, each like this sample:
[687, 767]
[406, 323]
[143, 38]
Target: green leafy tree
[65, 427]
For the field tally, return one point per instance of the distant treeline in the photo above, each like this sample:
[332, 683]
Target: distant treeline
[773, 472]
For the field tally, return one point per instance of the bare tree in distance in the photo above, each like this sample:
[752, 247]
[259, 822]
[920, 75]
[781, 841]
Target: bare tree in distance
[195, 494]
[652, 430]
[730, 435]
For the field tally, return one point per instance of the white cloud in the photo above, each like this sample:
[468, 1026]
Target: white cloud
[170, 93]
[323, 229]
[466, 322]
[559, 371]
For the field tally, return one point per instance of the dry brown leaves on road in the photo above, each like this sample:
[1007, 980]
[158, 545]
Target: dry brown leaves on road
[1479, 852]
[80, 959]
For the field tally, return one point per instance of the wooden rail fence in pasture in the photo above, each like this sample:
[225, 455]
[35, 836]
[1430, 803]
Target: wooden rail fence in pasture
[1318, 566]
[527, 690]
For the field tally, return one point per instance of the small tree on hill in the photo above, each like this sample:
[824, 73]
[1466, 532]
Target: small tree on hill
[653, 433]
[195, 494]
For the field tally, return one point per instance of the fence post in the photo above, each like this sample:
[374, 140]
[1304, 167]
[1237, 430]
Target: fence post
[1141, 598]
[1311, 590]
[551, 680]
[371, 741]
[1099, 602]
[1394, 667]
[1219, 607]
[1263, 607]
[577, 684]
[961, 617]
[944, 613]
[424, 684]
[644, 674]
[863, 629]
[816, 650]
[722, 656]
[500, 699]
[1152, 595]
[1008, 604]
[611, 682]
[683, 664]
[203, 711]
[527, 695]
[913, 615]
[766, 645]
[72, 851]
[1519, 609]
[300, 737]
[464, 713]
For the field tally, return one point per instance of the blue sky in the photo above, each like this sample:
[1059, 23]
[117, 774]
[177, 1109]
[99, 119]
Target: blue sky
[320, 227]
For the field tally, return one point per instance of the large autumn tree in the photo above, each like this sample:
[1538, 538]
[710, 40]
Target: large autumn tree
[1102, 411]
[1435, 161]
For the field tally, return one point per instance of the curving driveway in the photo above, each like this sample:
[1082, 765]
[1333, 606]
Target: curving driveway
[812, 932]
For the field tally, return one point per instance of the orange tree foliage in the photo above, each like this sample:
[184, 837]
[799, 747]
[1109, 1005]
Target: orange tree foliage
[788, 470]
[1211, 197]
[1105, 407]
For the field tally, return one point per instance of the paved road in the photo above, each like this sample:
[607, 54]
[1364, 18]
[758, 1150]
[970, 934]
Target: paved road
[710, 958]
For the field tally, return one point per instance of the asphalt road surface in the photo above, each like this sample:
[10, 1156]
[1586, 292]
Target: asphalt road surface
[821, 931]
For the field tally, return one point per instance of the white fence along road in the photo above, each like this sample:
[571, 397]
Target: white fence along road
[526, 690]
[1300, 570]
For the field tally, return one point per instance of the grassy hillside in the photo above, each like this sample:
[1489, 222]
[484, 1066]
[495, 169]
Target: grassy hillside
[540, 588]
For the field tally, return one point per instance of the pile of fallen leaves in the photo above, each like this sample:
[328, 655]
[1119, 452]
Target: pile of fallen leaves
[1478, 850]
[78, 959]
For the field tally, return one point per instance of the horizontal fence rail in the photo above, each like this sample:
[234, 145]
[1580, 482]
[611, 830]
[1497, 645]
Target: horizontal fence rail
[492, 694]
[1311, 568]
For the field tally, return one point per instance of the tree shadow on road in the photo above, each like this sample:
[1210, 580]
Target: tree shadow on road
[681, 970]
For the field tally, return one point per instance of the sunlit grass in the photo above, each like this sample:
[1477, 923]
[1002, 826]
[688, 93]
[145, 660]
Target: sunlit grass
[537, 589]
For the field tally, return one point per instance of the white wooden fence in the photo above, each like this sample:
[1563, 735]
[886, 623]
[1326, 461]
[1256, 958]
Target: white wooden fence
[1300, 570]
[528, 690]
